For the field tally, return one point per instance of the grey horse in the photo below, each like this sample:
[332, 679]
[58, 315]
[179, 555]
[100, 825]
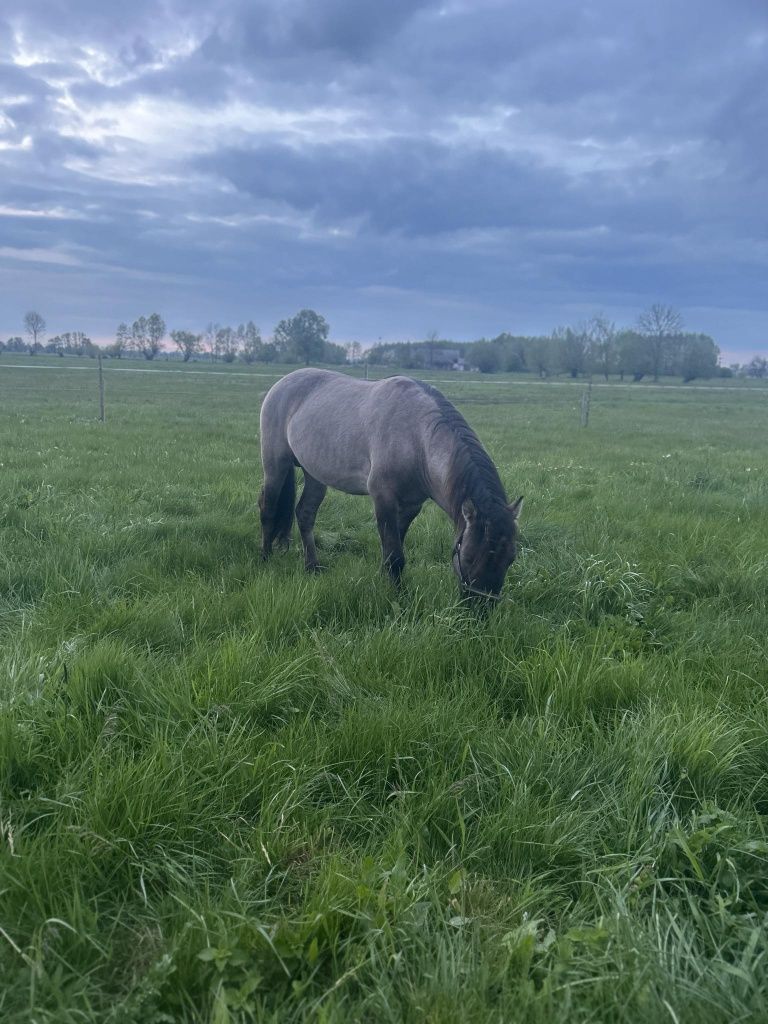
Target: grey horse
[399, 440]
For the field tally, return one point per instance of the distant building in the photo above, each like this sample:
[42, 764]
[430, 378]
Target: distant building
[447, 359]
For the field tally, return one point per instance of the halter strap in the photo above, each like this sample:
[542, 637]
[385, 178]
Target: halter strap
[468, 587]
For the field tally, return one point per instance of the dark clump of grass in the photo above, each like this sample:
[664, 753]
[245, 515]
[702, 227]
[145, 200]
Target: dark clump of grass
[230, 792]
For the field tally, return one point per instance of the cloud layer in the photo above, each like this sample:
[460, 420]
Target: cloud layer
[469, 166]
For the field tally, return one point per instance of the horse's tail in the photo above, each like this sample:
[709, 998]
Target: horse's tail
[286, 503]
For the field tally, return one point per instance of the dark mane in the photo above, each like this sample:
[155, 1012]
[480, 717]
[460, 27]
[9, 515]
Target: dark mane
[472, 473]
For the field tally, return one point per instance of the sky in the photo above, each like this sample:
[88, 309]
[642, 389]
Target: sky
[401, 166]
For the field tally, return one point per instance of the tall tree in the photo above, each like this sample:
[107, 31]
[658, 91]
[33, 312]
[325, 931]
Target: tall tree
[253, 347]
[147, 334]
[139, 337]
[303, 336]
[187, 343]
[122, 341]
[227, 343]
[659, 325]
[573, 349]
[210, 335]
[85, 345]
[35, 328]
[632, 355]
[155, 335]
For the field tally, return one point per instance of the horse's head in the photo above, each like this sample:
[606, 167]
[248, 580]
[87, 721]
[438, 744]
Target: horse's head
[485, 549]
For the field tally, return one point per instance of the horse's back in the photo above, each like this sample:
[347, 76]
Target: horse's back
[317, 392]
[340, 429]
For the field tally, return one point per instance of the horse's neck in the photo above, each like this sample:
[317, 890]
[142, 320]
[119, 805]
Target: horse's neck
[444, 492]
[439, 486]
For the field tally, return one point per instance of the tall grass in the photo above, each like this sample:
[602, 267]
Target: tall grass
[230, 792]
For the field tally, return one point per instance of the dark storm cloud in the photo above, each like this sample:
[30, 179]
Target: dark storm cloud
[408, 186]
[469, 165]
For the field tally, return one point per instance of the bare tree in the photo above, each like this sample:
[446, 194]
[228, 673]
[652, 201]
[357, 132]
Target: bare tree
[35, 327]
[253, 347]
[122, 342]
[602, 339]
[139, 339]
[227, 343]
[658, 325]
[210, 343]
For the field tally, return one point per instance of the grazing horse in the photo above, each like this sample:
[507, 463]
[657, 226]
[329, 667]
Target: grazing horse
[399, 440]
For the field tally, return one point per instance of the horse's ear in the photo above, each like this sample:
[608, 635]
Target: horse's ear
[515, 507]
[468, 510]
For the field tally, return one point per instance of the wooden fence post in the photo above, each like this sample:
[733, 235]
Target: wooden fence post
[586, 398]
[101, 391]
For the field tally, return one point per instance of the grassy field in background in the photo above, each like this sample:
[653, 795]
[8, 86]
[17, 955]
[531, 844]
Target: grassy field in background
[232, 792]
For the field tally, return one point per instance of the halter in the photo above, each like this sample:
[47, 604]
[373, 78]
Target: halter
[467, 587]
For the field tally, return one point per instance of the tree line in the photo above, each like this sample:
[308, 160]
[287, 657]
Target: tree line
[73, 343]
[655, 346]
[300, 338]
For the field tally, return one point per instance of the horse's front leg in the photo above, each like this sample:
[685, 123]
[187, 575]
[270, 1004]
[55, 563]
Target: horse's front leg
[387, 520]
[306, 513]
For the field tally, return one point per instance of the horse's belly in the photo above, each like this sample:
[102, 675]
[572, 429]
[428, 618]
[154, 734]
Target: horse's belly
[331, 459]
[341, 480]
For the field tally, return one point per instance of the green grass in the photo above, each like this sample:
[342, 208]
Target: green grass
[230, 792]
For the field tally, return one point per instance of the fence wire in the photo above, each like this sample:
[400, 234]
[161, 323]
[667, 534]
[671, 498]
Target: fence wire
[21, 384]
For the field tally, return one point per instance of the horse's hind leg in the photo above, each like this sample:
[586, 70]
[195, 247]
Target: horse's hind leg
[276, 503]
[306, 513]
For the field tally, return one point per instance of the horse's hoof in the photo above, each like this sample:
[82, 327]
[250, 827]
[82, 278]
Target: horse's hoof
[316, 568]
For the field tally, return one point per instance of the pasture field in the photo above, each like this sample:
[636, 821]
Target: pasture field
[232, 792]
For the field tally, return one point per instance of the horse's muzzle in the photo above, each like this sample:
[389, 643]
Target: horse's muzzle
[470, 593]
